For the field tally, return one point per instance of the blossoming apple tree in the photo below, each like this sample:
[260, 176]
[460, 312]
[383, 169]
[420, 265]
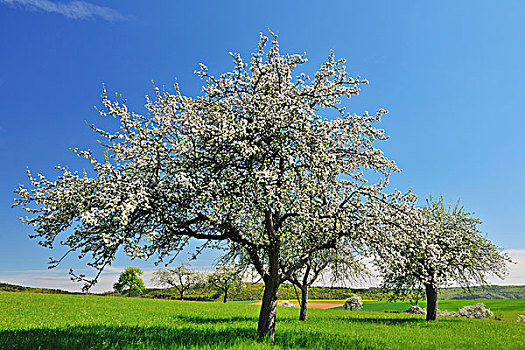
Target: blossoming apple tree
[433, 246]
[182, 278]
[266, 159]
[336, 265]
[227, 278]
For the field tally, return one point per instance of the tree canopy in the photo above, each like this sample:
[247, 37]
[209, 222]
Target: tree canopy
[436, 245]
[129, 282]
[227, 278]
[182, 278]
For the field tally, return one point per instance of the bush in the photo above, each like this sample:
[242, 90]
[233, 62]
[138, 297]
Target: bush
[475, 311]
[416, 310]
[521, 318]
[447, 314]
[353, 303]
[285, 303]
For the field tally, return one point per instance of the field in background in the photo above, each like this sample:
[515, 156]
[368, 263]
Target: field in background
[254, 291]
[32, 321]
[316, 304]
[506, 309]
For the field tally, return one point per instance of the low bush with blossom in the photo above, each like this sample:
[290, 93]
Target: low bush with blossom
[477, 311]
[285, 303]
[416, 310]
[353, 303]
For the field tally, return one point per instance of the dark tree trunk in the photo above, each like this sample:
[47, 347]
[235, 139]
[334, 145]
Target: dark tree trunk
[304, 303]
[432, 302]
[272, 281]
[266, 326]
[181, 295]
[225, 295]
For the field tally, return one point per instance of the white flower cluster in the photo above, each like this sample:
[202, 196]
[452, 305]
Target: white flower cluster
[447, 314]
[354, 302]
[477, 311]
[416, 310]
[285, 303]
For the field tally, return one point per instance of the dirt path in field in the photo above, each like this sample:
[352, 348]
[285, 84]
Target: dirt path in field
[322, 304]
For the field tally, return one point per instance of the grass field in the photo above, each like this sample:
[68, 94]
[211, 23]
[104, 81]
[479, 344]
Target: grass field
[40, 321]
[506, 309]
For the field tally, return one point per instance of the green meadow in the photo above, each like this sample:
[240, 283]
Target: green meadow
[52, 321]
[506, 309]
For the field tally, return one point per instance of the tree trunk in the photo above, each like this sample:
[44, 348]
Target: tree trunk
[181, 296]
[272, 280]
[432, 302]
[266, 326]
[304, 303]
[225, 295]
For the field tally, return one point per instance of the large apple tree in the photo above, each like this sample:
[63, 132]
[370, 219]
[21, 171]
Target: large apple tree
[266, 159]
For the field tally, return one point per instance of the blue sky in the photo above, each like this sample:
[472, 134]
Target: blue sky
[451, 74]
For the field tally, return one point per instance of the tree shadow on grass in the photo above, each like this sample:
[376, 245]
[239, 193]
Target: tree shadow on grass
[383, 320]
[208, 320]
[120, 337]
[394, 321]
[130, 337]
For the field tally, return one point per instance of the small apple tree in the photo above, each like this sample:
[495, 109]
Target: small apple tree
[339, 264]
[226, 278]
[182, 278]
[433, 246]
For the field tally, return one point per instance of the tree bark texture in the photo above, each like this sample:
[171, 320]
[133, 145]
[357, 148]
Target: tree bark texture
[266, 326]
[304, 303]
[272, 281]
[432, 302]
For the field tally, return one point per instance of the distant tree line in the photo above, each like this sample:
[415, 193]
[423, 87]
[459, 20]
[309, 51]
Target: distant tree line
[253, 291]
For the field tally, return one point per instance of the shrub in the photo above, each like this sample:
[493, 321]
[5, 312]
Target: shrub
[447, 314]
[416, 310]
[475, 311]
[285, 303]
[353, 303]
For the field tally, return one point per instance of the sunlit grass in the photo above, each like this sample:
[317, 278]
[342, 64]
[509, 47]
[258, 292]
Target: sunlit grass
[32, 321]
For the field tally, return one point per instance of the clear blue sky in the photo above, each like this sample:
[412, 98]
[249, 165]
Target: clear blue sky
[451, 73]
